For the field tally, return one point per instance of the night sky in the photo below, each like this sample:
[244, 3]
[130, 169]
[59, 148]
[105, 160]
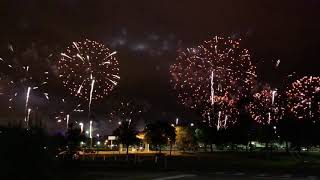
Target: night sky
[146, 35]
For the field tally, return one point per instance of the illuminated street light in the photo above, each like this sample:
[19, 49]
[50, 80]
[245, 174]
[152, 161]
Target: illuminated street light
[81, 126]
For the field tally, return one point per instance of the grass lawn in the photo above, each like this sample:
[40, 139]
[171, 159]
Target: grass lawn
[259, 162]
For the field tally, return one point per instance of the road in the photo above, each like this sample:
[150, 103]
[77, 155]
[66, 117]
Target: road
[192, 176]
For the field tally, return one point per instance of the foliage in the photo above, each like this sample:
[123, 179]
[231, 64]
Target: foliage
[160, 133]
[186, 139]
[24, 154]
[126, 134]
[74, 137]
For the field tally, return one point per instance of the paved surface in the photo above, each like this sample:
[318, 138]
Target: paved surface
[194, 176]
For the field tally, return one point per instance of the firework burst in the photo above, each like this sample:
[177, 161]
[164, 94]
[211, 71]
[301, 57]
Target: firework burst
[266, 107]
[89, 70]
[216, 73]
[127, 110]
[303, 98]
[225, 113]
[23, 79]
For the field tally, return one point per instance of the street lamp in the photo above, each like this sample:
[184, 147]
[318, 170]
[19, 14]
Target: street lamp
[82, 143]
[81, 126]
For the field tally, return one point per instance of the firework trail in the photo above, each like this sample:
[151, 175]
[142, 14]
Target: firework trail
[28, 118]
[91, 92]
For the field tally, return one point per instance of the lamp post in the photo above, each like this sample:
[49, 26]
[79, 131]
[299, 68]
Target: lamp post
[81, 127]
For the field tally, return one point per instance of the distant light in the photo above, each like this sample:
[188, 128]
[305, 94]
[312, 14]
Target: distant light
[172, 125]
[87, 132]
[59, 121]
[98, 143]
[274, 127]
[98, 135]
[191, 124]
[119, 122]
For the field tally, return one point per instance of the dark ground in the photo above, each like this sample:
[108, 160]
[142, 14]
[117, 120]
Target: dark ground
[219, 165]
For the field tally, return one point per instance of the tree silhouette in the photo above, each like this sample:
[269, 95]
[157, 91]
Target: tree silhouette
[160, 133]
[74, 137]
[206, 135]
[126, 134]
[185, 138]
